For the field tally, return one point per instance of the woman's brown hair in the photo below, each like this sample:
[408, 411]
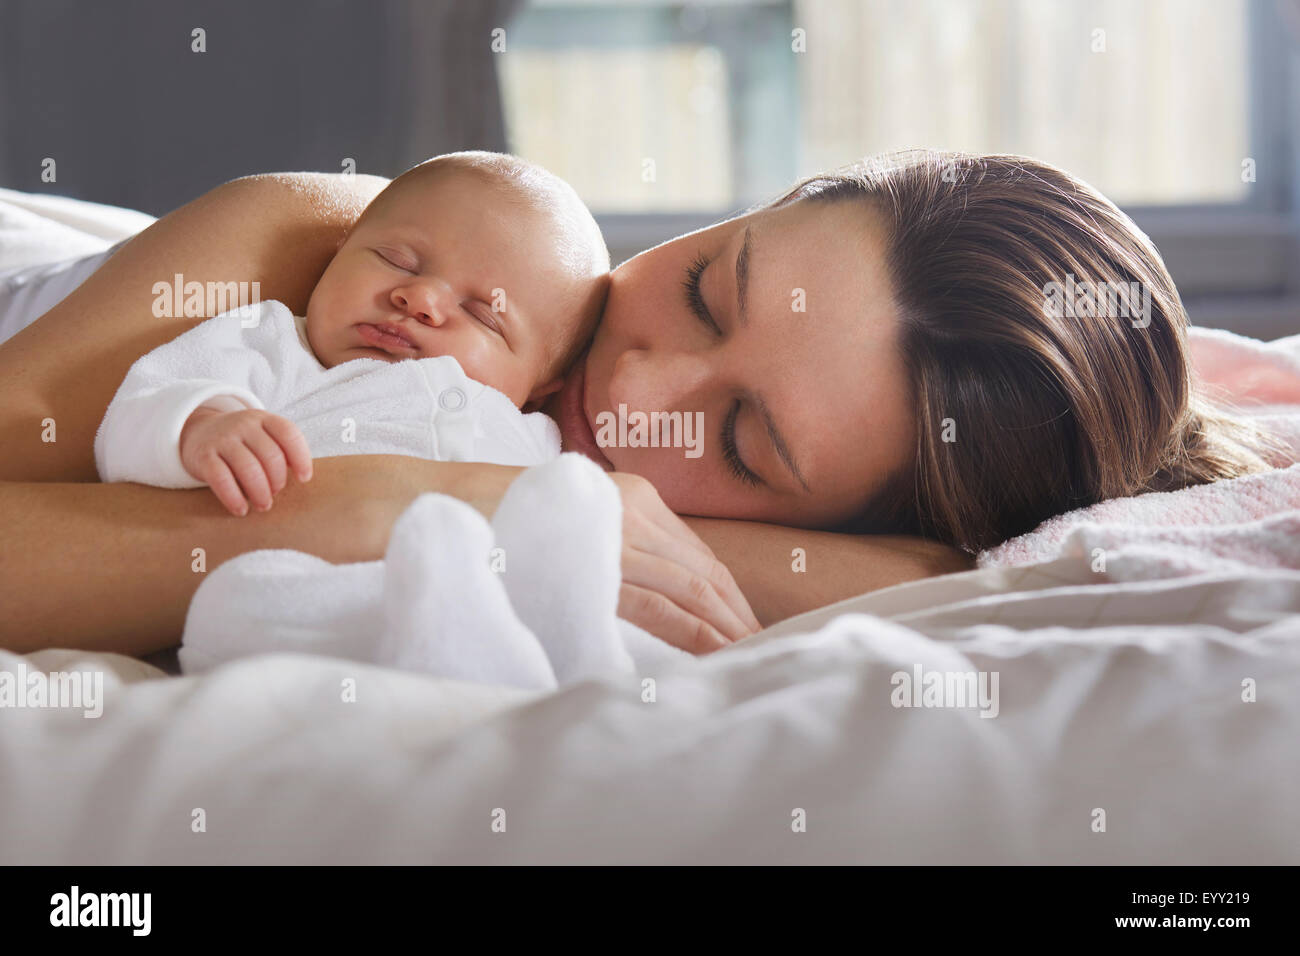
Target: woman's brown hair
[1026, 405]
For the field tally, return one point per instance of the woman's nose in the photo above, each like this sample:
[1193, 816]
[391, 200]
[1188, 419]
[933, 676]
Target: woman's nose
[428, 301]
[659, 379]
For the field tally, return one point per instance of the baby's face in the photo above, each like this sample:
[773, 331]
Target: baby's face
[456, 267]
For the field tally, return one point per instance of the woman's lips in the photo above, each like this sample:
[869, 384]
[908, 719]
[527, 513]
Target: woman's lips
[386, 337]
[575, 426]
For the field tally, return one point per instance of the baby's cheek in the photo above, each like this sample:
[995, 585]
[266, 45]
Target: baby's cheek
[476, 358]
[491, 366]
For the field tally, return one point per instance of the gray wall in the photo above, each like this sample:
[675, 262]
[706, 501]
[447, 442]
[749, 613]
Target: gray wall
[111, 90]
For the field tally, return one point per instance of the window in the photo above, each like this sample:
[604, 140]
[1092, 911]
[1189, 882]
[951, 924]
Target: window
[668, 116]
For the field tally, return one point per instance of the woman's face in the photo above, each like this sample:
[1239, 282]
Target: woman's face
[788, 355]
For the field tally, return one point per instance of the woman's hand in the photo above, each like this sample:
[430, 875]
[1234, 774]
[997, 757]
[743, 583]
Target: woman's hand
[673, 585]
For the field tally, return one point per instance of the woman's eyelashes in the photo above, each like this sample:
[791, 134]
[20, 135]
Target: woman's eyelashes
[694, 298]
[731, 454]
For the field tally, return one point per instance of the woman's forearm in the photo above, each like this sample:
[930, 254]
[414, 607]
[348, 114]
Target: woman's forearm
[786, 571]
[112, 567]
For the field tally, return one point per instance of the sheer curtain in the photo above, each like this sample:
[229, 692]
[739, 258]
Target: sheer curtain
[116, 95]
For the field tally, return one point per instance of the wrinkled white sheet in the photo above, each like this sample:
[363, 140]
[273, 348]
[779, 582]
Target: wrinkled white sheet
[1142, 720]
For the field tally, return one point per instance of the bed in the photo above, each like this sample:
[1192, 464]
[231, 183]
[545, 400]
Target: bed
[1146, 713]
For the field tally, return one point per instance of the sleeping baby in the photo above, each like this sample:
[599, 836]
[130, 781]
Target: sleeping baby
[486, 270]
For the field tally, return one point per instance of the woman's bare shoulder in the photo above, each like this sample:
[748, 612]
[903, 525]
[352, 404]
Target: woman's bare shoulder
[323, 198]
[276, 232]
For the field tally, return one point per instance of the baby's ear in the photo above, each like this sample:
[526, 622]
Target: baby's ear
[541, 393]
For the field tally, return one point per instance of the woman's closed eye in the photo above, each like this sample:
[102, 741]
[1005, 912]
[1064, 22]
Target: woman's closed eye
[731, 454]
[694, 298]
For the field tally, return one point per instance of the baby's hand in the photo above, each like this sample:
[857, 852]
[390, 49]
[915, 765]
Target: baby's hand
[243, 453]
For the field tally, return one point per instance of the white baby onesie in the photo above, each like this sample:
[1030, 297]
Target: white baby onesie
[257, 356]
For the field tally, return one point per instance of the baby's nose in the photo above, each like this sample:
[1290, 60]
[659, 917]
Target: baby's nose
[427, 302]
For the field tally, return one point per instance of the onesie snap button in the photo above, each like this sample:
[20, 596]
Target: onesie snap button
[451, 399]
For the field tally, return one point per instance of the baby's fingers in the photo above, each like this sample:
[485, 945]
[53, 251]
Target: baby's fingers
[268, 453]
[250, 475]
[223, 485]
[292, 442]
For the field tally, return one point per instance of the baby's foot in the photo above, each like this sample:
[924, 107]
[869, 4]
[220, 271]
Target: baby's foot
[560, 529]
[446, 610]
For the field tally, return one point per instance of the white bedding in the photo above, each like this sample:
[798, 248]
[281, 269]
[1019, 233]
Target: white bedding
[49, 245]
[1124, 697]
[1145, 722]
[37, 228]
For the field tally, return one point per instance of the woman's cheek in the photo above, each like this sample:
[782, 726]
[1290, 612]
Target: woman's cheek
[637, 307]
[682, 483]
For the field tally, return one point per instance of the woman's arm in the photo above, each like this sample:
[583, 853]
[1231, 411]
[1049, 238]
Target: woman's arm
[113, 567]
[763, 560]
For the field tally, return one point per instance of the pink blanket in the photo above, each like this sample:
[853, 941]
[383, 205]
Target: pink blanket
[1249, 522]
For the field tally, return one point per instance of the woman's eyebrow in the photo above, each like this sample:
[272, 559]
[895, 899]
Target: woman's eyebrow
[742, 276]
[778, 441]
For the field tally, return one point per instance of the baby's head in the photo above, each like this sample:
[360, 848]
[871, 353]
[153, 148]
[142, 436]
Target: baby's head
[481, 256]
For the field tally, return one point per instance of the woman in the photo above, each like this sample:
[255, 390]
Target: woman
[871, 352]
